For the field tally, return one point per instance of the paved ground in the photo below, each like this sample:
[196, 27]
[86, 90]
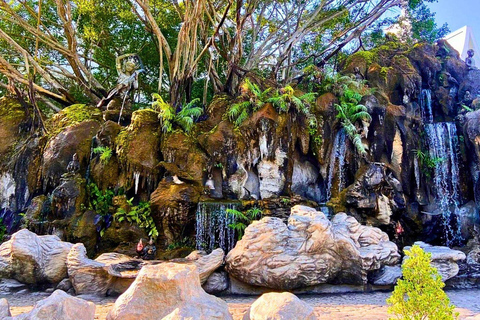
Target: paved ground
[337, 306]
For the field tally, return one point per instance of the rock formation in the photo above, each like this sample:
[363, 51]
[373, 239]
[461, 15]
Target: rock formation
[310, 250]
[443, 258]
[279, 306]
[168, 291]
[34, 259]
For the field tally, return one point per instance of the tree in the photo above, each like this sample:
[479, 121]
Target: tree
[419, 295]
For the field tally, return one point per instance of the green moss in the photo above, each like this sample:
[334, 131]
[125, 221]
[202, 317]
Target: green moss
[368, 57]
[11, 110]
[144, 117]
[122, 141]
[73, 115]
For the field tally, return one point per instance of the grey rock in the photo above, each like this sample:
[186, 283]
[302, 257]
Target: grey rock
[11, 286]
[216, 283]
[34, 259]
[4, 309]
[386, 276]
[443, 258]
[64, 285]
[279, 306]
[310, 250]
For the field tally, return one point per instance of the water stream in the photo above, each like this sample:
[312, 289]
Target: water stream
[337, 162]
[426, 105]
[442, 142]
[212, 226]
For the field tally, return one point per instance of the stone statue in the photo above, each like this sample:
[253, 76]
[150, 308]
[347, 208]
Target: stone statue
[469, 62]
[74, 165]
[149, 251]
[358, 74]
[139, 248]
[129, 66]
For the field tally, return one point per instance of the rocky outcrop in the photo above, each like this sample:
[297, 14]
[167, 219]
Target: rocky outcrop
[443, 258]
[206, 264]
[113, 273]
[168, 291]
[109, 273]
[310, 250]
[386, 276]
[279, 306]
[60, 305]
[34, 259]
[216, 283]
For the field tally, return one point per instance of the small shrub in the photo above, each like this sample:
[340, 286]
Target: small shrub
[140, 215]
[243, 219]
[105, 153]
[185, 118]
[419, 295]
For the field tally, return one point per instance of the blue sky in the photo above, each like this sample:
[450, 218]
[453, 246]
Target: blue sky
[458, 13]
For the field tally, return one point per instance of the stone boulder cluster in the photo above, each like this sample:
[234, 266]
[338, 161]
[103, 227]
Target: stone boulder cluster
[307, 251]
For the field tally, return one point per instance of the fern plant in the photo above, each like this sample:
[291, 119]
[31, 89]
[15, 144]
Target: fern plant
[184, 119]
[242, 220]
[286, 98]
[140, 215]
[105, 153]
[349, 113]
[256, 98]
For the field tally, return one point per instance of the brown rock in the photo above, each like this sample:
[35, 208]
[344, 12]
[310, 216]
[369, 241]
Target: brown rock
[60, 305]
[168, 291]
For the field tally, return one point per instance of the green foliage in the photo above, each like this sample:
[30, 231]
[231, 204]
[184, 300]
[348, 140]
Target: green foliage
[141, 215]
[185, 118]
[286, 201]
[182, 243]
[419, 295]
[349, 113]
[427, 162]
[256, 98]
[105, 153]
[422, 21]
[3, 230]
[285, 98]
[101, 201]
[467, 108]
[243, 219]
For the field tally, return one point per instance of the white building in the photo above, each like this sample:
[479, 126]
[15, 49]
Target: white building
[463, 40]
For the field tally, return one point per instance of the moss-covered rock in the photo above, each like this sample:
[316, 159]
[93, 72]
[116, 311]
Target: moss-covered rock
[12, 115]
[72, 115]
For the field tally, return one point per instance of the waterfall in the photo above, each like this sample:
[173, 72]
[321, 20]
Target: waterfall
[136, 177]
[212, 226]
[337, 162]
[442, 142]
[92, 147]
[426, 105]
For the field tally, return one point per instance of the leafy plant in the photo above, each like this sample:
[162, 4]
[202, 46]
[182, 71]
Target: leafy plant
[183, 243]
[101, 202]
[420, 295]
[345, 85]
[3, 230]
[105, 153]
[286, 98]
[256, 98]
[243, 219]
[467, 108]
[185, 118]
[427, 162]
[140, 215]
[286, 201]
[349, 113]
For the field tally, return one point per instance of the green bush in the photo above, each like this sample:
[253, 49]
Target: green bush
[105, 153]
[243, 219]
[140, 215]
[419, 295]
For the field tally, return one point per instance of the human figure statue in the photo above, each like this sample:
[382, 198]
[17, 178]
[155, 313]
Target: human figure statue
[358, 74]
[74, 165]
[209, 185]
[129, 66]
[149, 251]
[469, 62]
[139, 248]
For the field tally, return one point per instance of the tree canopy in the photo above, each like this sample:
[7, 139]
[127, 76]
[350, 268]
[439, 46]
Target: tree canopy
[64, 51]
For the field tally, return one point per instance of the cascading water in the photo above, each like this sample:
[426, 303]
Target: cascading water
[426, 105]
[442, 142]
[213, 229]
[337, 162]
[136, 178]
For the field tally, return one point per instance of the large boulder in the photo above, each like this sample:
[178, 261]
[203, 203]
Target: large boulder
[310, 250]
[279, 306]
[443, 258]
[34, 259]
[168, 291]
[60, 305]
[4, 309]
[206, 263]
[103, 275]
